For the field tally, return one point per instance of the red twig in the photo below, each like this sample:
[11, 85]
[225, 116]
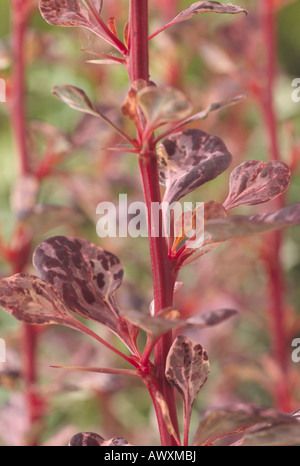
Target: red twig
[163, 281]
[20, 17]
[274, 263]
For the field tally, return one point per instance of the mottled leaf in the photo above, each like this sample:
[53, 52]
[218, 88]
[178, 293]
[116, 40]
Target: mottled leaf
[85, 275]
[90, 439]
[202, 7]
[224, 229]
[275, 436]
[219, 230]
[35, 301]
[116, 442]
[86, 439]
[169, 319]
[254, 182]
[162, 105]
[220, 423]
[187, 369]
[71, 13]
[188, 160]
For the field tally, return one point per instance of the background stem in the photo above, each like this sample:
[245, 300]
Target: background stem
[20, 17]
[274, 264]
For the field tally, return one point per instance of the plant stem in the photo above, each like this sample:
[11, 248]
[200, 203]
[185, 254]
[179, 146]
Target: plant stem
[163, 279]
[274, 263]
[20, 17]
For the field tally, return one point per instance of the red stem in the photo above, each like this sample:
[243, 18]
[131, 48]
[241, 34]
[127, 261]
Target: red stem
[20, 17]
[274, 264]
[163, 279]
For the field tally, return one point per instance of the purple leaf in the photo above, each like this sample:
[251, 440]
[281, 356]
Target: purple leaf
[86, 439]
[85, 275]
[207, 7]
[202, 7]
[35, 301]
[168, 319]
[254, 182]
[187, 369]
[287, 434]
[71, 13]
[161, 105]
[188, 160]
[220, 423]
[224, 229]
[90, 439]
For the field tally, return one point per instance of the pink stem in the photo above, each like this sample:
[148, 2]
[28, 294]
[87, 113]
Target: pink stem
[163, 278]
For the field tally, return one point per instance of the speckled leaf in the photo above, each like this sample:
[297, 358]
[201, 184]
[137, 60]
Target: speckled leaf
[162, 105]
[254, 182]
[188, 160]
[71, 13]
[35, 301]
[116, 442]
[207, 7]
[224, 229]
[203, 7]
[86, 439]
[187, 369]
[85, 275]
[281, 435]
[220, 423]
[169, 319]
[219, 230]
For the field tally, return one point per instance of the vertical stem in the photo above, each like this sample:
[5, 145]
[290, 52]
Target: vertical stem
[163, 280]
[20, 16]
[274, 265]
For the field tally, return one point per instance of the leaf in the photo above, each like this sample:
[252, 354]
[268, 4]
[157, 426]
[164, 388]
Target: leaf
[220, 230]
[190, 226]
[202, 7]
[166, 415]
[274, 436]
[188, 160]
[224, 229]
[161, 105]
[35, 301]
[75, 98]
[71, 13]
[116, 442]
[85, 275]
[86, 439]
[254, 182]
[207, 7]
[168, 319]
[220, 423]
[187, 369]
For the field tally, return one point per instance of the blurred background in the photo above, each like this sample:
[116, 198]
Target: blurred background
[210, 58]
